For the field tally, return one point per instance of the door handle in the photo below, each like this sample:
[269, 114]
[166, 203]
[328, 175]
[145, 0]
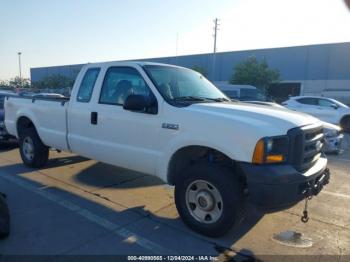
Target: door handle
[93, 118]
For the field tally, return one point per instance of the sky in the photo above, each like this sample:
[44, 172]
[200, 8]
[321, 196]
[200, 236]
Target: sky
[60, 32]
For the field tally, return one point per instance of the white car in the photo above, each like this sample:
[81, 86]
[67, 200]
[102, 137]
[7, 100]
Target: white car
[333, 138]
[171, 122]
[239, 92]
[326, 109]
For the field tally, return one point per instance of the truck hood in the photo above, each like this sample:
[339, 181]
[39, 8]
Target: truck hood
[257, 115]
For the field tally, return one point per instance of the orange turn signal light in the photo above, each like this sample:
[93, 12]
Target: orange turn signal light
[258, 156]
[274, 158]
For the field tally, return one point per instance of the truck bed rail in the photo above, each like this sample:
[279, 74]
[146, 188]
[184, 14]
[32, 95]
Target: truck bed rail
[62, 100]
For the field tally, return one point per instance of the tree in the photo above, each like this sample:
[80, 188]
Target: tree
[20, 82]
[200, 70]
[255, 73]
[54, 82]
[4, 83]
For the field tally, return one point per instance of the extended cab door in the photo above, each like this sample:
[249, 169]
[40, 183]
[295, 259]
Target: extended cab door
[80, 130]
[118, 136]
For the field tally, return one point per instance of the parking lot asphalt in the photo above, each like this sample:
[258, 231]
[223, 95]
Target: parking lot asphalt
[80, 206]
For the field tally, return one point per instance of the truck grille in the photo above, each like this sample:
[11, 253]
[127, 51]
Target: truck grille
[306, 145]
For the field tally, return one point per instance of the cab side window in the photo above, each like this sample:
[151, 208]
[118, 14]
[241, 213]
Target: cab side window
[87, 85]
[119, 83]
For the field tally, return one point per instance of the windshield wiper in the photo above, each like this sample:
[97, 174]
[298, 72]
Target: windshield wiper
[199, 98]
[189, 98]
[219, 99]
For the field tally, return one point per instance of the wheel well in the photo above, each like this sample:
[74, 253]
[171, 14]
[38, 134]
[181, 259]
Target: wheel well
[343, 118]
[22, 123]
[189, 155]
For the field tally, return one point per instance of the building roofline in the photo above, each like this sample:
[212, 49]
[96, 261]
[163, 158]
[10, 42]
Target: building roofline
[142, 60]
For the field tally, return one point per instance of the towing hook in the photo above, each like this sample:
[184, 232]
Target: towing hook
[305, 216]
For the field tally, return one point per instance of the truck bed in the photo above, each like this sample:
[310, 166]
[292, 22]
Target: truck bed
[49, 115]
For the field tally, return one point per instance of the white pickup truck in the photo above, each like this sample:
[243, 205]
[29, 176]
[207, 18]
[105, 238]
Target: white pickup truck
[171, 122]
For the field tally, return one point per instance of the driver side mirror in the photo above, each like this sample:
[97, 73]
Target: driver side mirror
[140, 103]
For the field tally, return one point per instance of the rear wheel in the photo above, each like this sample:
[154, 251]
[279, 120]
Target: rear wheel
[209, 199]
[345, 123]
[33, 152]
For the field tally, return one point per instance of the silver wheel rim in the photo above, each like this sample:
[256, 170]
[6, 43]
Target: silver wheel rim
[28, 148]
[204, 201]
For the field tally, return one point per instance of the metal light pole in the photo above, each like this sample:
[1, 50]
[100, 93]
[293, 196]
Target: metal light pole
[19, 63]
[216, 25]
[215, 32]
[177, 47]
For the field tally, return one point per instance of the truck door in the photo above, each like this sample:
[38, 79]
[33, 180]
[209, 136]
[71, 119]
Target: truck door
[124, 138]
[80, 130]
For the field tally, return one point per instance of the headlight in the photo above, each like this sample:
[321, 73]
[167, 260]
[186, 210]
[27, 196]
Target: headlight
[328, 132]
[271, 150]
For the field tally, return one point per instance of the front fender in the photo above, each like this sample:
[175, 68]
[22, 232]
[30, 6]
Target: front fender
[181, 142]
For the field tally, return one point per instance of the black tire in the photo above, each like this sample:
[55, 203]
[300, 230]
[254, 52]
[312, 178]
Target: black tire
[2, 145]
[40, 151]
[4, 217]
[231, 190]
[345, 124]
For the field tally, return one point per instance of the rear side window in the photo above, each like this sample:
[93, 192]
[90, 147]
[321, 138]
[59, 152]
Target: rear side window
[87, 85]
[308, 101]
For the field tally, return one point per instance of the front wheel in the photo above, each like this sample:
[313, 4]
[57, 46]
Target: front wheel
[209, 199]
[33, 152]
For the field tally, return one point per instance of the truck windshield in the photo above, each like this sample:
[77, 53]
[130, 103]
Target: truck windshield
[181, 85]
